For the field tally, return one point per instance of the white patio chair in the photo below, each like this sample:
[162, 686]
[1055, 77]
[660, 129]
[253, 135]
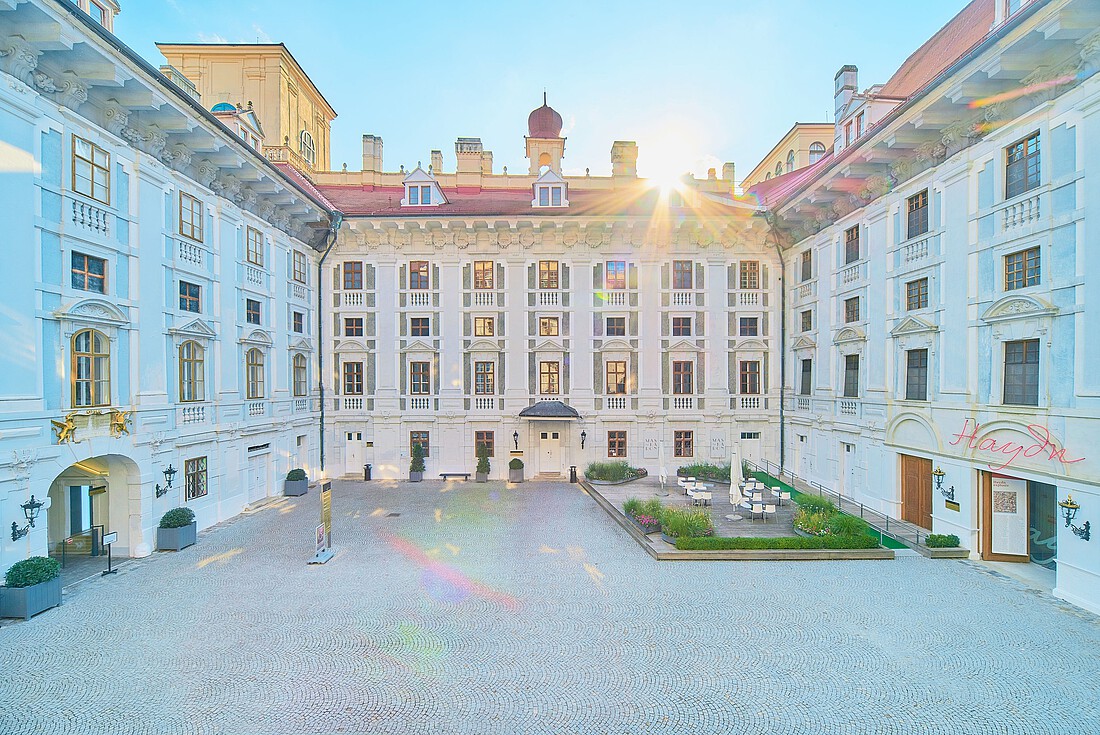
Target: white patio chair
[784, 495]
[756, 509]
[769, 510]
[701, 498]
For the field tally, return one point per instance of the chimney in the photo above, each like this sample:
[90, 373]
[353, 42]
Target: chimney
[727, 172]
[624, 158]
[845, 86]
[468, 151]
[486, 163]
[712, 174]
[372, 153]
[437, 162]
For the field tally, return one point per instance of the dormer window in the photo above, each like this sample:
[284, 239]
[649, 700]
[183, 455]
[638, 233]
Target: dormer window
[418, 195]
[421, 190]
[550, 190]
[549, 196]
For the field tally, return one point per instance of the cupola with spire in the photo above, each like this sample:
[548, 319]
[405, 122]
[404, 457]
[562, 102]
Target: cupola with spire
[545, 146]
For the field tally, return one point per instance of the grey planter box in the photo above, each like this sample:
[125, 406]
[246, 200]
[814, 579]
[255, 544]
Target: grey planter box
[515, 475]
[416, 476]
[295, 487]
[23, 602]
[481, 477]
[177, 538]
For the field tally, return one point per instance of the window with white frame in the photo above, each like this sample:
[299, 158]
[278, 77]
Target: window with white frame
[549, 196]
[1022, 166]
[91, 170]
[1022, 373]
[306, 147]
[420, 378]
[817, 152]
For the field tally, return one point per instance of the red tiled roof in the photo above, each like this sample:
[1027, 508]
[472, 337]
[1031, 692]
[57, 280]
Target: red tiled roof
[940, 51]
[367, 201]
[775, 189]
[308, 186]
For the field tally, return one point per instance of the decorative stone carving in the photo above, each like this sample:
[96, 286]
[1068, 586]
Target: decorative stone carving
[72, 92]
[21, 462]
[207, 173]
[21, 58]
[462, 238]
[265, 209]
[153, 141]
[526, 237]
[874, 187]
[43, 82]
[115, 118]
[504, 237]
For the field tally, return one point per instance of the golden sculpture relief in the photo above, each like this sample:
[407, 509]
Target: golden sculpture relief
[66, 430]
[120, 422]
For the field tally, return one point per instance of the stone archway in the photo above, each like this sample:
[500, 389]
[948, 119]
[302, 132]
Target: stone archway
[101, 492]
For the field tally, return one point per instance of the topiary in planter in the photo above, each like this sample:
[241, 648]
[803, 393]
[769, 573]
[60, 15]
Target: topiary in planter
[515, 470]
[177, 530]
[32, 571]
[416, 465]
[33, 585]
[296, 483]
[177, 518]
[482, 471]
[296, 474]
[941, 541]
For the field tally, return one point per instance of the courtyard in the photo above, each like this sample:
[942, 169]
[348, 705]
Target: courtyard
[484, 608]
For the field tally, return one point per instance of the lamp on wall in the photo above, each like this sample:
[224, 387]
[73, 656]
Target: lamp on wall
[1069, 512]
[169, 473]
[938, 474]
[515, 439]
[584, 435]
[30, 510]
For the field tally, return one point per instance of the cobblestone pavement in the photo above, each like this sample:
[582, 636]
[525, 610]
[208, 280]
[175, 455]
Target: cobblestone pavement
[482, 609]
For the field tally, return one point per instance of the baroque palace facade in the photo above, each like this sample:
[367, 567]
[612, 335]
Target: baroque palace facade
[902, 317]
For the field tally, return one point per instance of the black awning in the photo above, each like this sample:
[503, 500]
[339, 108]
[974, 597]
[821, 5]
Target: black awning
[549, 410]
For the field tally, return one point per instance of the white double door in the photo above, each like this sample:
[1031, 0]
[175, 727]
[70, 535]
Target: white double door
[353, 452]
[549, 452]
[258, 477]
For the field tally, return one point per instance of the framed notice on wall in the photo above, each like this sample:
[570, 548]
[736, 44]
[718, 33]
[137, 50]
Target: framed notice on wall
[1008, 506]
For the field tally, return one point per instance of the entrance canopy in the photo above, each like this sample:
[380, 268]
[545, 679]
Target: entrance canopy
[555, 410]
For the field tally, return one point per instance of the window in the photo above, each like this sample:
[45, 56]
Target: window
[790, 161]
[916, 375]
[750, 274]
[353, 378]
[484, 379]
[1022, 372]
[426, 195]
[1022, 166]
[100, 14]
[194, 478]
[549, 196]
[254, 246]
[483, 326]
[616, 326]
[418, 275]
[299, 374]
[681, 326]
[421, 438]
[778, 168]
[413, 195]
[847, 134]
[851, 310]
[851, 376]
[306, 147]
[419, 326]
[684, 444]
[683, 373]
[817, 152]
[749, 326]
[89, 273]
[615, 275]
[353, 326]
[616, 444]
[851, 245]
[192, 370]
[548, 378]
[189, 297]
[805, 385]
[486, 440]
[548, 274]
[616, 377]
[807, 320]
[807, 265]
[353, 275]
[91, 170]
[298, 266]
[750, 377]
[682, 274]
[254, 374]
[917, 208]
[420, 378]
[190, 217]
[419, 195]
[916, 294]
[548, 326]
[298, 322]
[859, 125]
[483, 274]
[1021, 269]
[91, 369]
[252, 311]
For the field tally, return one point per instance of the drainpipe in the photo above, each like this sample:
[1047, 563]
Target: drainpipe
[334, 229]
[769, 217]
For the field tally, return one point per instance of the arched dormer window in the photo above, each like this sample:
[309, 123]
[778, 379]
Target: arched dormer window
[192, 372]
[817, 152]
[91, 377]
[306, 147]
[779, 168]
[790, 161]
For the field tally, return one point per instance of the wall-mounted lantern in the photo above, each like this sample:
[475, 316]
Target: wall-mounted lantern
[31, 509]
[515, 439]
[584, 435]
[938, 475]
[1069, 512]
[169, 473]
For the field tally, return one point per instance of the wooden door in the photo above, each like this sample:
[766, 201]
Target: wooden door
[916, 491]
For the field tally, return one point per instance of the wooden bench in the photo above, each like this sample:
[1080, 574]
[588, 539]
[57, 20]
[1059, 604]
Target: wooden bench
[463, 475]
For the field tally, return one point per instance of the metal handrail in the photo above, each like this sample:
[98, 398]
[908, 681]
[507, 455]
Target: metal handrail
[89, 531]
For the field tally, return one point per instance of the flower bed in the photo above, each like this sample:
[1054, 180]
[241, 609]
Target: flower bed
[685, 523]
[612, 473]
[645, 514]
[705, 471]
[782, 542]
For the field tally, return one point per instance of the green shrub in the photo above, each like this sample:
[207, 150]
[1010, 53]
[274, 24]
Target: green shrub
[846, 525]
[784, 542]
[482, 454]
[812, 521]
[941, 541]
[611, 471]
[32, 571]
[677, 522]
[632, 506]
[707, 470]
[297, 474]
[816, 504]
[651, 507]
[416, 464]
[515, 464]
[177, 518]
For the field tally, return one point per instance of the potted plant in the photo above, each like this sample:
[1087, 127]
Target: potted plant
[515, 470]
[33, 585]
[481, 474]
[177, 529]
[296, 483]
[416, 466]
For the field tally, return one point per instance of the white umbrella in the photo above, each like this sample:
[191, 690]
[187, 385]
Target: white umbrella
[664, 471]
[736, 497]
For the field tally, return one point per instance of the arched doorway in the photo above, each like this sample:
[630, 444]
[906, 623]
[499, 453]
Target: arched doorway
[91, 498]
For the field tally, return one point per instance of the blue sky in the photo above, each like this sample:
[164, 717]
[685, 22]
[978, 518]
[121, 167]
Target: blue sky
[695, 84]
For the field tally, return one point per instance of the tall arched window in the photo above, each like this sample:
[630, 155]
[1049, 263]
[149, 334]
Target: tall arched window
[779, 168]
[817, 152]
[300, 384]
[91, 369]
[192, 372]
[306, 147]
[790, 161]
[254, 369]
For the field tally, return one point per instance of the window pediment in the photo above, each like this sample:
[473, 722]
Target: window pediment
[913, 325]
[550, 345]
[95, 311]
[301, 344]
[751, 344]
[419, 346]
[257, 337]
[683, 345]
[195, 329]
[616, 345]
[1018, 307]
[484, 345]
[804, 343]
[350, 345]
[850, 334]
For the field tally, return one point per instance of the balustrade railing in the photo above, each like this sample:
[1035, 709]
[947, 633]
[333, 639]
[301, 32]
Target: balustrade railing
[91, 217]
[420, 298]
[616, 403]
[549, 298]
[484, 298]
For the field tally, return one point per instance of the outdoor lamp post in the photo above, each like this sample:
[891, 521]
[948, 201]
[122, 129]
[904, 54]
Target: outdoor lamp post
[584, 435]
[515, 439]
[1069, 512]
[169, 473]
[30, 510]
